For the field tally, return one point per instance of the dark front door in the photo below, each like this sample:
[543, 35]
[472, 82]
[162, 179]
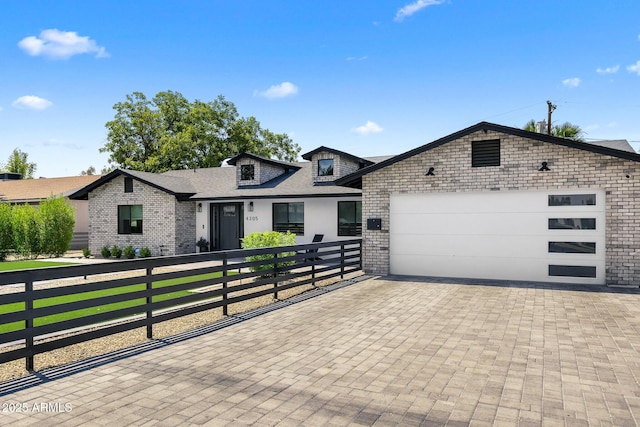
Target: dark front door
[228, 225]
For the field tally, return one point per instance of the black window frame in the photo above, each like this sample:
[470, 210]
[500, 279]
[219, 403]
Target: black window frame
[247, 172]
[572, 224]
[128, 184]
[326, 170]
[586, 271]
[353, 228]
[485, 153]
[587, 199]
[125, 221]
[296, 228]
[572, 247]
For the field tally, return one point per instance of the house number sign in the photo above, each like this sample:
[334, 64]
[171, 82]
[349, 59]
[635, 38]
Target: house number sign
[251, 218]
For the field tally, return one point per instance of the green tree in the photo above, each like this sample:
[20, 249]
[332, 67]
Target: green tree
[26, 231]
[57, 219]
[90, 171]
[6, 231]
[170, 132]
[18, 163]
[564, 130]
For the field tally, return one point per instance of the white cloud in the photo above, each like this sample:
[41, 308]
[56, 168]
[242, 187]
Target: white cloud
[56, 44]
[635, 68]
[368, 128]
[414, 7]
[572, 82]
[282, 90]
[608, 70]
[356, 58]
[32, 102]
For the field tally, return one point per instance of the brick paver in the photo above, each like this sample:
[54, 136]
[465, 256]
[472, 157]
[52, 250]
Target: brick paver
[384, 351]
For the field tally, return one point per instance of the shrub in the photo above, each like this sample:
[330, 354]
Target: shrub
[105, 252]
[57, 219]
[6, 230]
[116, 252]
[129, 252]
[269, 239]
[86, 252]
[145, 252]
[26, 228]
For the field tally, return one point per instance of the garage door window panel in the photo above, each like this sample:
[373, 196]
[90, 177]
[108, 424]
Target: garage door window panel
[572, 247]
[572, 223]
[572, 200]
[572, 271]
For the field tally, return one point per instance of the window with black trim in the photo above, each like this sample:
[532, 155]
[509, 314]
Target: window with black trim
[247, 172]
[130, 219]
[289, 217]
[325, 167]
[572, 270]
[572, 247]
[485, 153]
[128, 185]
[572, 223]
[572, 199]
[350, 218]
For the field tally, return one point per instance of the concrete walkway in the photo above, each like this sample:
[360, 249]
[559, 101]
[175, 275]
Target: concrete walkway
[383, 352]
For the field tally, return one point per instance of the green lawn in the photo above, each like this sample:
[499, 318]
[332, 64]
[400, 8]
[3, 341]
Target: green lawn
[28, 264]
[7, 308]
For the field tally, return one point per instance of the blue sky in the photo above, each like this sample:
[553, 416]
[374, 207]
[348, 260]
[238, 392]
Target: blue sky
[366, 77]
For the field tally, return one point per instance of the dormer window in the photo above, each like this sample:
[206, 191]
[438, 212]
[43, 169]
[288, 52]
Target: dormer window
[325, 167]
[247, 173]
[128, 185]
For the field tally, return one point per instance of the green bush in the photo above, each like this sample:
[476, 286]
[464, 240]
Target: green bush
[57, 219]
[26, 227]
[145, 252]
[129, 252]
[116, 252]
[6, 230]
[269, 239]
[86, 252]
[105, 252]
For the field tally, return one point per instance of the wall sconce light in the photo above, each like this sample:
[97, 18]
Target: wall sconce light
[544, 167]
[430, 172]
[250, 206]
[199, 207]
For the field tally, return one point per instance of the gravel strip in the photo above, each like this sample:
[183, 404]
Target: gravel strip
[100, 346]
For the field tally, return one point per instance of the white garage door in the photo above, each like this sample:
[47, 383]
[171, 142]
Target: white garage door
[549, 236]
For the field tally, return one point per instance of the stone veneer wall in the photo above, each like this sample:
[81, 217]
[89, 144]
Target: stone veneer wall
[520, 160]
[168, 226]
[341, 166]
[262, 172]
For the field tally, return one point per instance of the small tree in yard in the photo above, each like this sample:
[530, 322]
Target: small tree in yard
[6, 232]
[26, 231]
[58, 219]
[269, 239]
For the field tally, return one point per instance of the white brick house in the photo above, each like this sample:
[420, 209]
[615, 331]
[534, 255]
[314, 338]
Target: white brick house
[169, 212]
[496, 202]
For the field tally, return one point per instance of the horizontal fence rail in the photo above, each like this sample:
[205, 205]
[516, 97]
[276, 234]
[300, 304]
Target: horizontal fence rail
[123, 295]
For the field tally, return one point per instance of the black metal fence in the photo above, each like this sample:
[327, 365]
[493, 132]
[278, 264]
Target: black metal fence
[28, 315]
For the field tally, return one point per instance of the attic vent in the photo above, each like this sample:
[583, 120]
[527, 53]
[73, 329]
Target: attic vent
[485, 153]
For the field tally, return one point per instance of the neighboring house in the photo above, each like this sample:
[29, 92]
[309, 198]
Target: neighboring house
[32, 191]
[170, 211]
[494, 202]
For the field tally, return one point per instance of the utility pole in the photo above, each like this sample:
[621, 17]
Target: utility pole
[551, 107]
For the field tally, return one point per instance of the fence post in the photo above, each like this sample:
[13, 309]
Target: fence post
[149, 302]
[225, 310]
[275, 274]
[313, 273]
[360, 255]
[342, 260]
[28, 306]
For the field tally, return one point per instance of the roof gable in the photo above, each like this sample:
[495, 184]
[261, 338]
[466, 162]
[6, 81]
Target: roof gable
[354, 180]
[309, 155]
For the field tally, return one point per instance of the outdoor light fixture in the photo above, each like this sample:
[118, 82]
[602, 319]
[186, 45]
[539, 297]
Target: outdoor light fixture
[544, 167]
[430, 172]
[199, 207]
[250, 206]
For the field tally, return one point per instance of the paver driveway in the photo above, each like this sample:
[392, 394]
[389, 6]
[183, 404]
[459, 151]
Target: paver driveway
[383, 351]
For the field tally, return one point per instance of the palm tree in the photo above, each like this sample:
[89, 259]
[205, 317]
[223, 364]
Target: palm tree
[565, 130]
